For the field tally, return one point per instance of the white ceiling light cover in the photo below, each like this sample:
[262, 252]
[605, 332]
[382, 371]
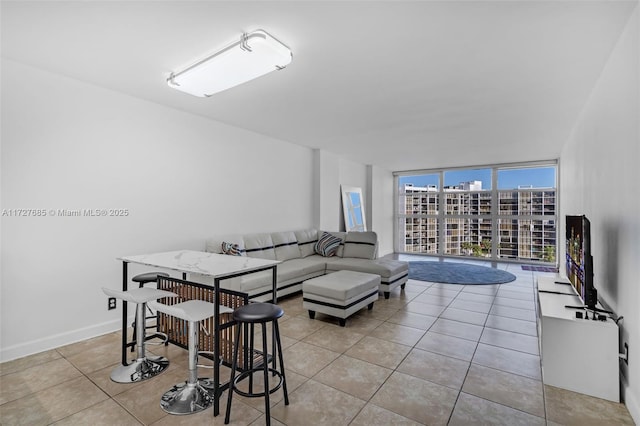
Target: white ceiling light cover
[255, 54]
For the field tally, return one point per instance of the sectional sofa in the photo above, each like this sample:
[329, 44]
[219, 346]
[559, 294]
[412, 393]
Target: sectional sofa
[303, 258]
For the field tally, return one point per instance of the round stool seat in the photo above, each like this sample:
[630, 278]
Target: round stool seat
[190, 310]
[258, 312]
[148, 277]
[138, 295]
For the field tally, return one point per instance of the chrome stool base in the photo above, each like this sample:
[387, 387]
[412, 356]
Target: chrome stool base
[195, 394]
[188, 398]
[140, 369]
[164, 339]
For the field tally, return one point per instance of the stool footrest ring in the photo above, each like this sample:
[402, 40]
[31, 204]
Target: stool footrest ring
[247, 373]
[158, 334]
[207, 366]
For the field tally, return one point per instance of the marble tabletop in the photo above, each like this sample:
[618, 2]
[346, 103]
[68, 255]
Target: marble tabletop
[199, 262]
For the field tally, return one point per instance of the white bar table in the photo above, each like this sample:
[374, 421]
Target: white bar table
[218, 266]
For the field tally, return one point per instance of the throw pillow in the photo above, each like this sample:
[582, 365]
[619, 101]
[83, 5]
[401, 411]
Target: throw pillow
[327, 245]
[231, 249]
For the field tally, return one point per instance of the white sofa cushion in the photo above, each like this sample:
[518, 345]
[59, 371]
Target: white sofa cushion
[304, 266]
[293, 270]
[386, 268]
[307, 239]
[259, 246]
[362, 245]
[285, 245]
[248, 283]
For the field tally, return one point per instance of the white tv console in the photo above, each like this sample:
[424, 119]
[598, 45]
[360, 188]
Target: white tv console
[580, 355]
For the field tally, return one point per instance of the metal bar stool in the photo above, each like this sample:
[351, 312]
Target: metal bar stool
[258, 313]
[148, 277]
[143, 367]
[142, 279]
[195, 394]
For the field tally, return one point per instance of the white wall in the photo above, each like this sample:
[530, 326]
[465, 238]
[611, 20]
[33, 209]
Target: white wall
[327, 184]
[70, 145]
[380, 183]
[377, 191]
[181, 178]
[599, 178]
[355, 175]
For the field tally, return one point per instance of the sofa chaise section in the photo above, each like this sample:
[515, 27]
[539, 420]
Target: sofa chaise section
[392, 273]
[360, 255]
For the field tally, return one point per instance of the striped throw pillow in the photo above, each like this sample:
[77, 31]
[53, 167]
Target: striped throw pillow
[327, 245]
[231, 249]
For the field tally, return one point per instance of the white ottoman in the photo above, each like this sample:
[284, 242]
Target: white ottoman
[340, 294]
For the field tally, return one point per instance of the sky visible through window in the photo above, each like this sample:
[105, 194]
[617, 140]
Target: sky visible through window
[536, 177]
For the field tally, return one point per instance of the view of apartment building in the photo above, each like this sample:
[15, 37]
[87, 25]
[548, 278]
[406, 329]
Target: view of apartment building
[525, 224]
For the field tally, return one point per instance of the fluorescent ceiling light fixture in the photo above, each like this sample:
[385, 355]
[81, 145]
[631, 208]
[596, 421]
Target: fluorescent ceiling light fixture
[255, 54]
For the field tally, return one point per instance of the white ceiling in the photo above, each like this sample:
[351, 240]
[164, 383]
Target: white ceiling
[401, 85]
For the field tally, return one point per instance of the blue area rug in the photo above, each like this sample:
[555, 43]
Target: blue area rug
[458, 273]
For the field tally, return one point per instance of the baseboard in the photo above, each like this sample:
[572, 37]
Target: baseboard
[58, 340]
[630, 401]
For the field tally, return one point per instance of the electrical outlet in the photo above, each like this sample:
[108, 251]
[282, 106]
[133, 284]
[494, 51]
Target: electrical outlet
[112, 303]
[626, 350]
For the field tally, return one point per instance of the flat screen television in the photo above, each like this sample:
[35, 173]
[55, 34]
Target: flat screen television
[579, 261]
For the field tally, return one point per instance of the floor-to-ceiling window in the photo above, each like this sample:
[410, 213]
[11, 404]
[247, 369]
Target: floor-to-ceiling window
[499, 212]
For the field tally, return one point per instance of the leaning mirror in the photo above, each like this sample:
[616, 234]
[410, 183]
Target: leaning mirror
[353, 209]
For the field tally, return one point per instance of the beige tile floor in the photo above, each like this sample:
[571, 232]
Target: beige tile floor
[432, 354]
